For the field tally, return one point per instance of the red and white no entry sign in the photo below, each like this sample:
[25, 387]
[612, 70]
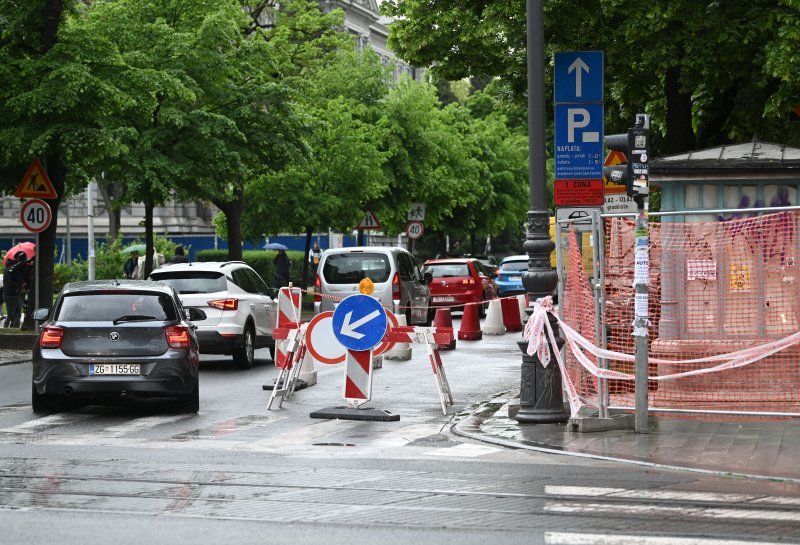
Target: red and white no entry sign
[35, 215]
[414, 229]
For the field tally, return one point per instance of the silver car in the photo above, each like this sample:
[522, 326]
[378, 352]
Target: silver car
[399, 284]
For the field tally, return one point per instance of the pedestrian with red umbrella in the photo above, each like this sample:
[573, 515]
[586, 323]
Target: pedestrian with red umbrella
[28, 247]
[16, 283]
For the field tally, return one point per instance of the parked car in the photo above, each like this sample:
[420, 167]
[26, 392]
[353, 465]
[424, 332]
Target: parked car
[457, 282]
[240, 311]
[509, 275]
[110, 338]
[399, 284]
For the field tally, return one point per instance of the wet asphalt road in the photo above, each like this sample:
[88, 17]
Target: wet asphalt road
[237, 473]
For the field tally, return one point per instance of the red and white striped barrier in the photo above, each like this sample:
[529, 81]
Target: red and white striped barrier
[290, 347]
[432, 338]
[358, 377]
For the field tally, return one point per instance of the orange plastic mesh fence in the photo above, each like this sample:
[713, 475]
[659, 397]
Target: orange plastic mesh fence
[714, 288]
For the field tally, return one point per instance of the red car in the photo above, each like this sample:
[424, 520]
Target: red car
[459, 281]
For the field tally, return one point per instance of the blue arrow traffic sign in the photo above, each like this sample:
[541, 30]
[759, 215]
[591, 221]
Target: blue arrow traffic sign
[359, 322]
[578, 76]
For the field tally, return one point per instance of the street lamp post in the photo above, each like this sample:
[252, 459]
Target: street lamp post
[541, 398]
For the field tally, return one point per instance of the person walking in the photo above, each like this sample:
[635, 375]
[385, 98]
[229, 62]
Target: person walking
[16, 282]
[313, 258]
[281, 263]
[131, 267]
[179, 256]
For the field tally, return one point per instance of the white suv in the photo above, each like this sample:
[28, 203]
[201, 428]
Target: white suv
[240, 312]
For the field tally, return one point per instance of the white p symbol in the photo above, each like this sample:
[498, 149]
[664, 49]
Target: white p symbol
[578, 118]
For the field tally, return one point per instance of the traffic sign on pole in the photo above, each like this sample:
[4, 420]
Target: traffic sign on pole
[369, 221]
[414, 229]
[359, 322]
[35, 215]
[579, 141]
[35, 183]
[579, 76]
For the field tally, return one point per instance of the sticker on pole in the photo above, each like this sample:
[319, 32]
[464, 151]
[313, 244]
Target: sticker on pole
[35, 215]
[359, 322]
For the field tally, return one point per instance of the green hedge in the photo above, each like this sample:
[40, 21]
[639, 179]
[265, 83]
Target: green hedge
[262, 263]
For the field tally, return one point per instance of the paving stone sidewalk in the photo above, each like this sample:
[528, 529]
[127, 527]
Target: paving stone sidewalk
[768, 449]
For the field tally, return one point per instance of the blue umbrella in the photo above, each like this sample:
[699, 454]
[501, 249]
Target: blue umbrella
[275, 246]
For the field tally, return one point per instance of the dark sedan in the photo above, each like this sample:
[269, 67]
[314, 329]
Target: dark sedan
[110, 338]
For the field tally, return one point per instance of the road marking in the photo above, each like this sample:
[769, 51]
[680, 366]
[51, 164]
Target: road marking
[464, 450]
[135, 425]
[564, 538]
[655, 510]
[682, 495]
[45, 423]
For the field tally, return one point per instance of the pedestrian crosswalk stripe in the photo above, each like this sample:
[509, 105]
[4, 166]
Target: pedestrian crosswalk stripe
[46, 422]
[464, 450]
[137, 424]
[566, 538]
[612, 509]
[660, 494]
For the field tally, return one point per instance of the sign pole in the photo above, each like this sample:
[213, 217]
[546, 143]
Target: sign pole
[36, 279]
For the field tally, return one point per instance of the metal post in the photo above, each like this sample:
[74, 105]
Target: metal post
[90, 219]
[541, 398]
[641, 322]
[598, 289]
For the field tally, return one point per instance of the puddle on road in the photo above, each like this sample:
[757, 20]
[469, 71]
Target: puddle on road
[223, 428]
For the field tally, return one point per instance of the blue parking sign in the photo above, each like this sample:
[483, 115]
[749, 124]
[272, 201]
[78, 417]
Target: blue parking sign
[579, 141]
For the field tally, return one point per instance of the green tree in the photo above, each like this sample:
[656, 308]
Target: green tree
[58, 85]
[708, 72]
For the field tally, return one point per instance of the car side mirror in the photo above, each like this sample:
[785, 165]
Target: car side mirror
[427, 277]
[196, 314]
[41, 314]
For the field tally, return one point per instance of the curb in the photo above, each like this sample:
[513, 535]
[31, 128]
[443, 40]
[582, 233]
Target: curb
[17, 341]
[471, 427]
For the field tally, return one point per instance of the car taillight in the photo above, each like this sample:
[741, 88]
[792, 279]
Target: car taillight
[317, 290]
[396, 286]
[225, 304]
[177, 336]
[52, 337]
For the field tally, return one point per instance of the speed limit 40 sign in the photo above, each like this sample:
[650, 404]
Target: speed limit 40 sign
[35, 215]
[414, 229]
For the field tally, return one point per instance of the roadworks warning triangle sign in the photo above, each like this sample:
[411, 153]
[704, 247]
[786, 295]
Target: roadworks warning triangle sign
[35, 184]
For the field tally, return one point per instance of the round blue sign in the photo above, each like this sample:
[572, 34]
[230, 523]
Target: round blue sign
[359, 322]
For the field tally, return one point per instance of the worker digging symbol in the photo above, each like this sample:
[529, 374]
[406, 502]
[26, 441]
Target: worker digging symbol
[33, 186]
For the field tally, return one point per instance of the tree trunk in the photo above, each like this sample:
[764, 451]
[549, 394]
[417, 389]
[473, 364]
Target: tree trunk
[233, 215]
[148, 237]
[309, 236]
[112, 193]
[680, 134]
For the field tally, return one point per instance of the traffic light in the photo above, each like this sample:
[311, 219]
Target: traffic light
[635, 146]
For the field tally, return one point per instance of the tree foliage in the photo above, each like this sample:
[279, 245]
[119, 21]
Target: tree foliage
[708, 72]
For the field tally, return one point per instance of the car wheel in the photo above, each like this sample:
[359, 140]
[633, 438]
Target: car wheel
[245, 352]
[482, 308]
[272, 352]
[40, 403]
[190, 403]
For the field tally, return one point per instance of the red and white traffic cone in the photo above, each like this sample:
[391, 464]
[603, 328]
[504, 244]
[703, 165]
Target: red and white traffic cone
[510, 309]
[493, 324]
[470, 329]
[443, 322]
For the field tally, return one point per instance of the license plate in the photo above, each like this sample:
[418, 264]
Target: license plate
[114, 369]
[447, 299]
[515, 278]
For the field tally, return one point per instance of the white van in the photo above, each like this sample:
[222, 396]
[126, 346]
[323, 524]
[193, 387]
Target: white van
[399, 283]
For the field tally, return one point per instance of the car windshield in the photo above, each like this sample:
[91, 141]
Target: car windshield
[352, 268]
[445, 270]
[110, 306]
[515, 266]
[187, 282]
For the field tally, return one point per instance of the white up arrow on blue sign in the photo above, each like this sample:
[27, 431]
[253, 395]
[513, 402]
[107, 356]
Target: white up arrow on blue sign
[359, 322]
[578, 76]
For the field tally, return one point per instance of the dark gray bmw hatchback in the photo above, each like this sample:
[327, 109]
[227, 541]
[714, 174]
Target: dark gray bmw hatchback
[115, 337]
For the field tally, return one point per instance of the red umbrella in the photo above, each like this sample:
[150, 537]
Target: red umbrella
[28, 247]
